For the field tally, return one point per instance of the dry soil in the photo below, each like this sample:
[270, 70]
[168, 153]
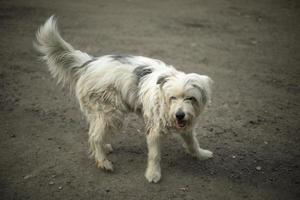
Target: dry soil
[249, 48]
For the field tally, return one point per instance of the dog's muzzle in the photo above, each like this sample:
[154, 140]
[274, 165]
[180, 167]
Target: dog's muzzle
[180, 119]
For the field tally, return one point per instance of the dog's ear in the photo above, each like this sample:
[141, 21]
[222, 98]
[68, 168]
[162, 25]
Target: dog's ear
[204, 84]
[162, 80]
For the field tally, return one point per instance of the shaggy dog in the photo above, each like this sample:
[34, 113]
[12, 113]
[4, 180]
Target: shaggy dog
[111, 86]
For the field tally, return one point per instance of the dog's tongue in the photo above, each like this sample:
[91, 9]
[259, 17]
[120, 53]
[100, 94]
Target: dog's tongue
[180, 124]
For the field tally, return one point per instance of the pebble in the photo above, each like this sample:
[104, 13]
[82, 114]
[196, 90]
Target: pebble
[27, 176]
[233, 156]
[60, 187]
[193, 44]
[51, 183]
[258, 168]
[253, 42]
[184, 189]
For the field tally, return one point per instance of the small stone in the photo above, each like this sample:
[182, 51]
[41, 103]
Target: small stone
[60, 187]
[253, 42]
[51, 183]
[27, 176]
[258, 168]
[233, 156]
[184, 189]
[265, 142]
[193, 44]
[251, 122]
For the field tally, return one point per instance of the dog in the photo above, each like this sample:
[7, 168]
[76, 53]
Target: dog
[111, 86]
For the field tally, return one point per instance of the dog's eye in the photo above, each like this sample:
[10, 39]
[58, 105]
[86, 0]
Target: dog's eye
[172, 98]
[190, 99]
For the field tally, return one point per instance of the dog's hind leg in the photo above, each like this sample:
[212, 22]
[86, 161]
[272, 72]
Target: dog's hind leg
[105, 116]
[97, 141]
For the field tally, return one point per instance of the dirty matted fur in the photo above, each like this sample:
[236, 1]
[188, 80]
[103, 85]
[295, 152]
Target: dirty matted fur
[111, 86]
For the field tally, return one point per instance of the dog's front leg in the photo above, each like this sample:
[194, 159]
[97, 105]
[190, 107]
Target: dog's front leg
[153, 172]
[193, 147]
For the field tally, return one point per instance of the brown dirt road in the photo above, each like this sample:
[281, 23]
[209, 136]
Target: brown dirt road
[249, 48]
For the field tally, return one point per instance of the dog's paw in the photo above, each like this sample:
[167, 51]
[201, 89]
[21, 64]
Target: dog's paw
[204, 154]
[108, 148]
[152, 175]
[105, 164]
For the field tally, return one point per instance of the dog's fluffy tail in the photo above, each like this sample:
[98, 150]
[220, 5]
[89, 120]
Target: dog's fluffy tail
[64, 63]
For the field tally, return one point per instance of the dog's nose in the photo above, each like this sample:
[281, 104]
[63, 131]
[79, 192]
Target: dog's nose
[180, 115]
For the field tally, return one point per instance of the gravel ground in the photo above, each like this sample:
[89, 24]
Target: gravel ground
[249, 48]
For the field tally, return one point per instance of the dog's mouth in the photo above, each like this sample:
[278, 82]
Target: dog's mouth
[180, 124]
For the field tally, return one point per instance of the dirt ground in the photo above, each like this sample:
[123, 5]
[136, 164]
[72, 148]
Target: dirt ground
[249, 48]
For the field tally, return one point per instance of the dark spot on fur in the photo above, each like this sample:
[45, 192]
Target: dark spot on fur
[141, 71]
[122, 59]
[88, 62]
[162, 80]
[203, 93]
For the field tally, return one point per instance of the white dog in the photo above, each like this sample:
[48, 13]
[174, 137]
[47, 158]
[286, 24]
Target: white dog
[111, 86]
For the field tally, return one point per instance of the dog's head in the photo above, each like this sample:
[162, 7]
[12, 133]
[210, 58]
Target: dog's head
[186, 96]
